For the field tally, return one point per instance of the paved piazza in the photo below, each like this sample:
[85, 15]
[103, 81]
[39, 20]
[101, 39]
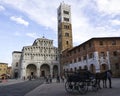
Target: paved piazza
[57, 89]
[35, 88]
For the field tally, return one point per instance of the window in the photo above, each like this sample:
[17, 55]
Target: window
[78, 49]
[79, 59]
[75, 69]
[70, 53]
[74, 51]
[84, 47]
[80, 68]
[84, 58]
[74, 60]
[103, 66]
[102, 54]
[117, 66]
[59, 20]
[66, 26]
[115, 53]
[66, 34]
[67, 42]
[113, 42]
[66, 19]
[59, 13]
[16, 64]
[91, 55]
[65, 12]
[90, 44]
[101, 42]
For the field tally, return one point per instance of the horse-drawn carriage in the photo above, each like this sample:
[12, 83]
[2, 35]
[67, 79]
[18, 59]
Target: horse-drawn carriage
[80, 81]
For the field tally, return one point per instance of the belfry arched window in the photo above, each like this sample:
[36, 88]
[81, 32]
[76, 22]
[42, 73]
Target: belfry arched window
[67, 42]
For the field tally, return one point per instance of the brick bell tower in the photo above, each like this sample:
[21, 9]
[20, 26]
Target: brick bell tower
[64, 30]
[64, 27]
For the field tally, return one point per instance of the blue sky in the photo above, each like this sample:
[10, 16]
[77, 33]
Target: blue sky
[22, 21]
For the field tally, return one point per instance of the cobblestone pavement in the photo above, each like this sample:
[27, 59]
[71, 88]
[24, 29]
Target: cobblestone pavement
[58, 89]
[11, 81]
[18, 87]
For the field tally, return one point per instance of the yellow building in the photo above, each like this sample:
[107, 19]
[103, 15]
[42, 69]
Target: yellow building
[3, 70]
[9, 71]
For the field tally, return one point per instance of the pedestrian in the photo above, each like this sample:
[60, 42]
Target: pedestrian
[109, 76]
[62, 78]
[50, 79]
[46, 78]
[30, 78]
[24, 78]
[58, 79]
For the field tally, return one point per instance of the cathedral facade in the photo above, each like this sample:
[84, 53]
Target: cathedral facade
[39, 60]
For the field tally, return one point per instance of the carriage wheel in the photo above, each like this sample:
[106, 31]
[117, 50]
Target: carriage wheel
[94, 86]
[69, 86]
[83, 88]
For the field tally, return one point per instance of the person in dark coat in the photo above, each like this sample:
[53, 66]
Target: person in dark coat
[109, 76]
[58, 79]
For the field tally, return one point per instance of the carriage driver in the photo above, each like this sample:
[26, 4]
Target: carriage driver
[109, 76]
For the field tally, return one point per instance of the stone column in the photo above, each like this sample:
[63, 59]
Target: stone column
[97, 61]
[38, 72]
[108, 60]
[23, 73]
[51, 70]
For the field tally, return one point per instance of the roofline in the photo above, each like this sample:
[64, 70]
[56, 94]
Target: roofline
[94, 39]
[3, 63]
[16, 52]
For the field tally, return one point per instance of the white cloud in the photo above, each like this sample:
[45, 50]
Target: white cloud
[1, 8]
[115, 22]
[45, 13]
[19, 20]
[109, 6]
[32, 35]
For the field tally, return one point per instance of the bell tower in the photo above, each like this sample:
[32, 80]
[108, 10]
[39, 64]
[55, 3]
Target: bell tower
[64, 27]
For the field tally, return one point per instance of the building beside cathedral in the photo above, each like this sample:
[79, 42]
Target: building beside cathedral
[40, 59]
[96, 55]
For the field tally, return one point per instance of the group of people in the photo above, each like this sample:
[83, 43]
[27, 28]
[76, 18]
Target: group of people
[48, 79]
[58, 79]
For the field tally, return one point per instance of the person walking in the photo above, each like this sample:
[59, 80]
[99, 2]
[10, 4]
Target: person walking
[62, 78]
[50, 79]
[58, 79]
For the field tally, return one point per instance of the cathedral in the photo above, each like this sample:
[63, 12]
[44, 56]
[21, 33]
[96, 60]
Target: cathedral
[39, 60]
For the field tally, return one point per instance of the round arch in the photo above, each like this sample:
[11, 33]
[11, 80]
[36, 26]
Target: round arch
[80, 67]
[75, 69]
[92, 68]
[45, 70]
[16, 73]
[103, 67]
[55, 70]
[31, 70]
[86, 67]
